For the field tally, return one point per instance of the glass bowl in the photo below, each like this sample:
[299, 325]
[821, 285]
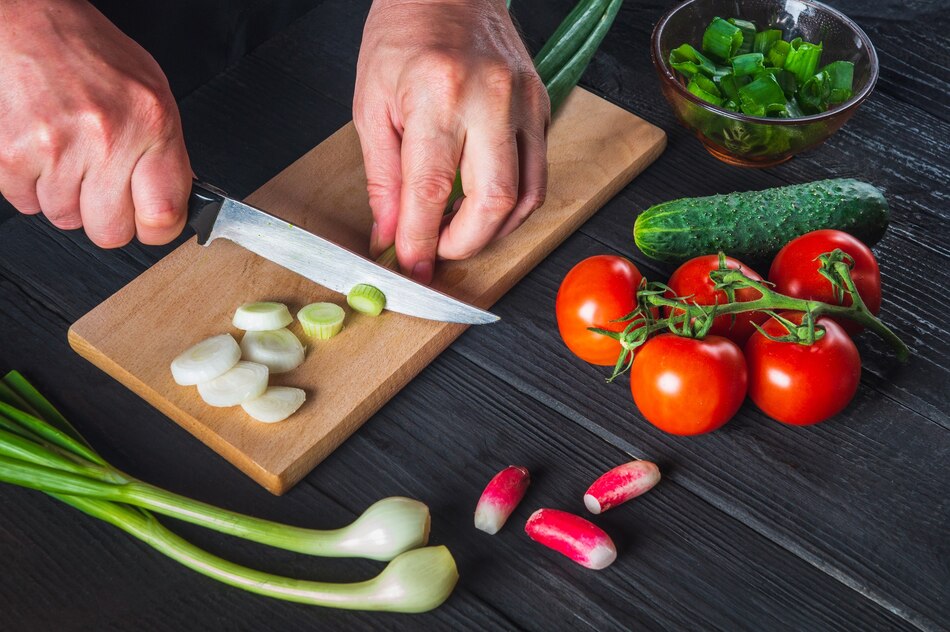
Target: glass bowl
[752, 141]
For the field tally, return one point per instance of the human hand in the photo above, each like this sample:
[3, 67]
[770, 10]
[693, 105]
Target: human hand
[89, 131]
[445, 85]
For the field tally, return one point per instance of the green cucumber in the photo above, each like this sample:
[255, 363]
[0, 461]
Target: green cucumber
[756, 224]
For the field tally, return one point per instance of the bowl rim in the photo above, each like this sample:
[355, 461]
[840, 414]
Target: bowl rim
[662, 65]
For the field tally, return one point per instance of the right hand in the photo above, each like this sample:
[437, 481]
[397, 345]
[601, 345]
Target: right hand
[89, 131]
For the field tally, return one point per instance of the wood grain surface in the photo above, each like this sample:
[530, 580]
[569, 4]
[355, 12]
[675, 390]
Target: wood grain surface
[755, 527]
[595, 149]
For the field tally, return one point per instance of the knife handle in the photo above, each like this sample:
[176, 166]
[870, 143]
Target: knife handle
[204, 204]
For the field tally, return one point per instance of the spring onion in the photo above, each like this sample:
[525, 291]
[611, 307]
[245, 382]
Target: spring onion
[760, 63]
[263, 316]
[721, 40]
[748, 34]
[279, 350]
[321, 320]
[366, 299]
[276, 404]
[245, 381]
[206, 360]
[747, 64]
[46, 453]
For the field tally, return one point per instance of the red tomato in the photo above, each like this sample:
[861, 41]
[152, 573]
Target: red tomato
[795, 271]
[802, 384]
[687, 386]
[692, 279]
[596, 291]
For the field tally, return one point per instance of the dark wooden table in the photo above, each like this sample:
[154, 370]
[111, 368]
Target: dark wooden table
[757, 526]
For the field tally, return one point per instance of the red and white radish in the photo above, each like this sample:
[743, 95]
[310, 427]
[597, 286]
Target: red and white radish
[573, 536]
[501, 496]
[620, 485]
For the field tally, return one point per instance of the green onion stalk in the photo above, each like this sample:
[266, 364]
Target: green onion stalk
[687, 318]
[560, 64]
[40, 450]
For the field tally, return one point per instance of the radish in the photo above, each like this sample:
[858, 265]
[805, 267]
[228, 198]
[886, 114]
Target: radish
[501, 496]
[573, 536]
[621, 484]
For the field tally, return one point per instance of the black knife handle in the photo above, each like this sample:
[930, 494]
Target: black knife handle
[204, 204]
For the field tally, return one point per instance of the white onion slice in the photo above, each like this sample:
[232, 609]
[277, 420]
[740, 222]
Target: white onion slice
[276, 404]
[206, 360]
[244, 382]
[279, 350]
[263, 316]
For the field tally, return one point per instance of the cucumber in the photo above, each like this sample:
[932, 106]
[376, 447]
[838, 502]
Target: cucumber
[755, 225]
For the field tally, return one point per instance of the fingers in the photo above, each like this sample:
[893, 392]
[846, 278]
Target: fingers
[105, 200]
[490, 172]
[21, 194]
[160, 184]
[382, 159]
[58, 193]
[533, 167]
[430, 153]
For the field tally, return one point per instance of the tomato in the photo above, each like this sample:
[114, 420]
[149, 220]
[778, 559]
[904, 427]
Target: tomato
[802, 384]
[692, 279]
[687, 386]
[596, 291]
[795, 271]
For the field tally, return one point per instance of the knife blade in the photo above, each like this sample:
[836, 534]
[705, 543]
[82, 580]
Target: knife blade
[215, 215]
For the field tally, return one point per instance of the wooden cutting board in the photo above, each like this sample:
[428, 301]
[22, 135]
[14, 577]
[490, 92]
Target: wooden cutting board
[595, 149]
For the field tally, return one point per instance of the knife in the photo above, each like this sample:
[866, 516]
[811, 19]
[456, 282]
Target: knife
[215, 215]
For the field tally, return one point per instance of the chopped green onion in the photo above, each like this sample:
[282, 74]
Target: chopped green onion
[690, 62]
[841, 77]
[705, 89]
[263, 316]
[748, 34]
[276, 404]
[747, 64]
[321, 320]
[762, 96]
[244, 382]
[802, 59]
[777, 53]
[279, 350]
[721, 40]
[366, 299]
[764, 40]
[729, 86]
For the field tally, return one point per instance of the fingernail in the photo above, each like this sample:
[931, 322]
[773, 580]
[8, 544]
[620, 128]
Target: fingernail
[422, 272]
[373, 239]
[457, 204]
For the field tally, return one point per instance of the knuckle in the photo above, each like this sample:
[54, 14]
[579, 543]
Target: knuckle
[432, 186]
[534, 199]
[156, 110]
[498, 203]
[500, 81]
[111, 237]
[160, 215]
[64, 219]
[445, 72]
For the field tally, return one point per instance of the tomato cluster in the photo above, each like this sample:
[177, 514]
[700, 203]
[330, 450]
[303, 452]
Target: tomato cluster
[688, 386]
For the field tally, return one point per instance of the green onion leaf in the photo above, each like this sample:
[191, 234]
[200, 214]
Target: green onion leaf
[705, 89]
[777, 53]
[729, 86]
[762, 96]
[814, 93]
[568, 38]
[802, 59]
[764, 40]
[747, 64]
[841, 77]
[721, 40]
[690, 62]
[748, 34]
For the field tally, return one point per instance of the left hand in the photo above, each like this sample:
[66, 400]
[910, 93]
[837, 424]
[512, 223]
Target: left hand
[445, 85]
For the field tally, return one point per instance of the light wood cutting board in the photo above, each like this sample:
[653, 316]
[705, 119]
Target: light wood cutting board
[595, 149]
